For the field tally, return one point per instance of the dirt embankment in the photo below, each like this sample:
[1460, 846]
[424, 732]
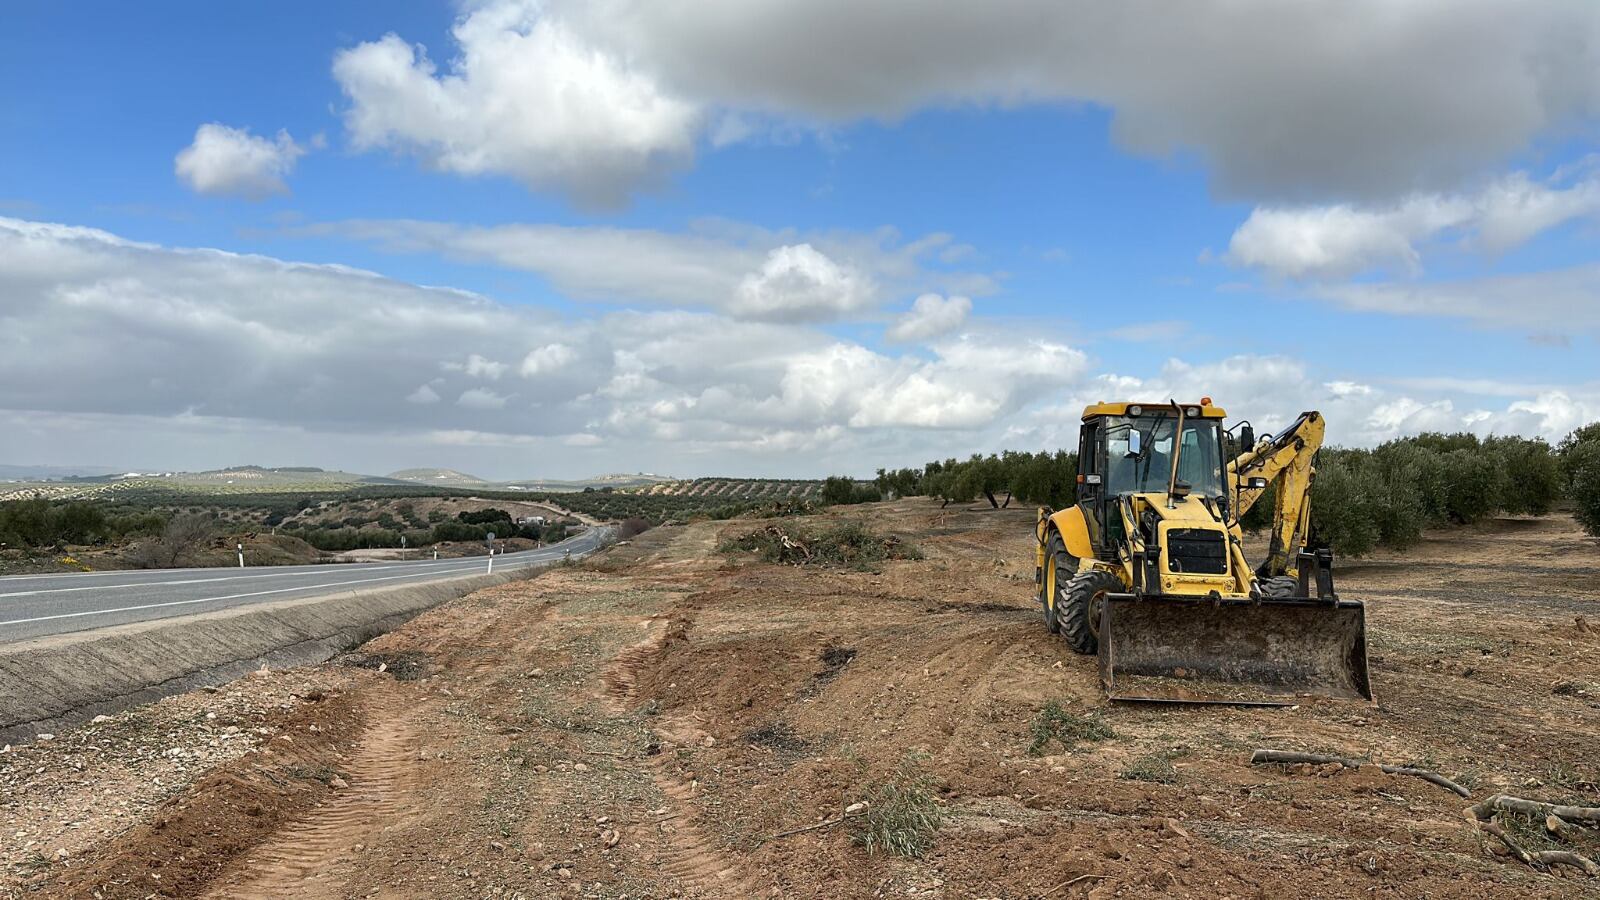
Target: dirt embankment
[644, 726]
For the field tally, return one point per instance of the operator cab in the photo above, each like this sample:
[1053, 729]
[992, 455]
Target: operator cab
[1127, 448]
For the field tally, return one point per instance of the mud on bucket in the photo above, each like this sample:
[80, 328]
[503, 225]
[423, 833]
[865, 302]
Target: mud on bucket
[1241, 652]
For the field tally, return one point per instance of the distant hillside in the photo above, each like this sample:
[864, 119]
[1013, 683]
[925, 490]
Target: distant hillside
[738, 488]
[438, 478]
[276, 478]
[615, 482]
[453, 478]
[46, 473]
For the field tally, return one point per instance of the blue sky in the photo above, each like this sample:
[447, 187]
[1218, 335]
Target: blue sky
[570, 238]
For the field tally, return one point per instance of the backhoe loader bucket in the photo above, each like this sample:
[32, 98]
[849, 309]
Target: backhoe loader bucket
[1239, 652]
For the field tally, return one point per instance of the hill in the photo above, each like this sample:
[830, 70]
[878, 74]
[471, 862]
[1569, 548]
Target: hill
[438, 477]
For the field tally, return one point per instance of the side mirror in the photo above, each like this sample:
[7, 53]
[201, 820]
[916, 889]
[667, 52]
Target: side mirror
[1133, 442]
[1247, 437]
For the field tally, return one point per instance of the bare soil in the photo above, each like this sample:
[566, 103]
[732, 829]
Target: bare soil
[644, 726]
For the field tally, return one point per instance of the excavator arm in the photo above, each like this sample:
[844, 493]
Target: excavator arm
[1285, 461]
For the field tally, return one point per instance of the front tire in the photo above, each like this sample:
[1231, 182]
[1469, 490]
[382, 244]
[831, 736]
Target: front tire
[1078, 606]
[1059, 565]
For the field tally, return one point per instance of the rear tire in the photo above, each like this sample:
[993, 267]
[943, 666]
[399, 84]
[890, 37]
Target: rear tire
[1279, 587]
[1078, 605]
[1059, 566]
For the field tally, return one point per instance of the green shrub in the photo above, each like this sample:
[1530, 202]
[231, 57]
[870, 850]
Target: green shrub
[1532, 482]
[1343, 512]
[1156, 768]
[1582, 464]
[41, 523]
[902, 815]
[1053, 723]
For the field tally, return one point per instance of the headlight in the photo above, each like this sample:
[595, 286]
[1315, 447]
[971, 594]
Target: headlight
[1192, 411]
[1135, 410]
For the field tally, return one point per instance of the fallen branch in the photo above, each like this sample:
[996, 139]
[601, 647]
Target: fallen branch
[824, 824]
[1566, 858]
[1069, 883]
[1289, 757]
[1430, 777]
[1587, 815]
[1545, 858]
[829, 823]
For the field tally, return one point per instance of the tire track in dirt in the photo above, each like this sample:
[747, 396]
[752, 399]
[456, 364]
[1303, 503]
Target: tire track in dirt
[694, 859]
[303, 859]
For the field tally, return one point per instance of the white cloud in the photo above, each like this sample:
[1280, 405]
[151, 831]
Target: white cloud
[225, 161]
[1342, 240]
[1403, 415]
[1335, 241]
[549, 358]
[740, 269]
[1564, 299]
[797, 283]
[1283, 101]
[478, 367]
[525, 97]
[930, 316]
[215, 357]
[1348, 389]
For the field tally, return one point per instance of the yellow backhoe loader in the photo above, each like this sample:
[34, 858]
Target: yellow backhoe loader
[1148, 568]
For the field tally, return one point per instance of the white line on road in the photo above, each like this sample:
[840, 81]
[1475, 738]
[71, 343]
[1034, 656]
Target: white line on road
[415, 567]
[105, 612]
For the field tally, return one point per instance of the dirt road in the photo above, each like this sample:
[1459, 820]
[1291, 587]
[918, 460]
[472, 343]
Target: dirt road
[642, 726]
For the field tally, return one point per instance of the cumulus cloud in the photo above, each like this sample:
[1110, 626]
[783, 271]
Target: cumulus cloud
[259, 346]
[478, 367]
[930, 316]
[1271, 390]
[202, 355]
[224, 161]
[799, 284]
[1298, 102]
[546, 359]
[525, 97]
[742, 270]
[1341, 240]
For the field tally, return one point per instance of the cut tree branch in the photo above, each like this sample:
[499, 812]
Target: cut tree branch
[1585, 815]
[1288, 757]
[1544, 858]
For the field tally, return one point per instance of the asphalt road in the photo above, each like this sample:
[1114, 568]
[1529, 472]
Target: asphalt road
[33, 606]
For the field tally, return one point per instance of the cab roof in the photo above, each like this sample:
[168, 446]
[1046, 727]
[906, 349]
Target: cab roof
[1095, 410]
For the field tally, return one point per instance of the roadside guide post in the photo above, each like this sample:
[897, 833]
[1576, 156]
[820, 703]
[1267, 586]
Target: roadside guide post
[490, 541]
[241, 554]
[402, 546]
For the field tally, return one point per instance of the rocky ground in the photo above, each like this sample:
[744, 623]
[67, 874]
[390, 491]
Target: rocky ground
[665, 720]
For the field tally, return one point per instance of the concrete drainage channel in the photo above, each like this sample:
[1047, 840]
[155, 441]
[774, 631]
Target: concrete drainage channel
[59, 681]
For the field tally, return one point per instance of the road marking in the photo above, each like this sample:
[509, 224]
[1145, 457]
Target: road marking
[267, 574]
[579, 548]
[105, 612]
[465, 563]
